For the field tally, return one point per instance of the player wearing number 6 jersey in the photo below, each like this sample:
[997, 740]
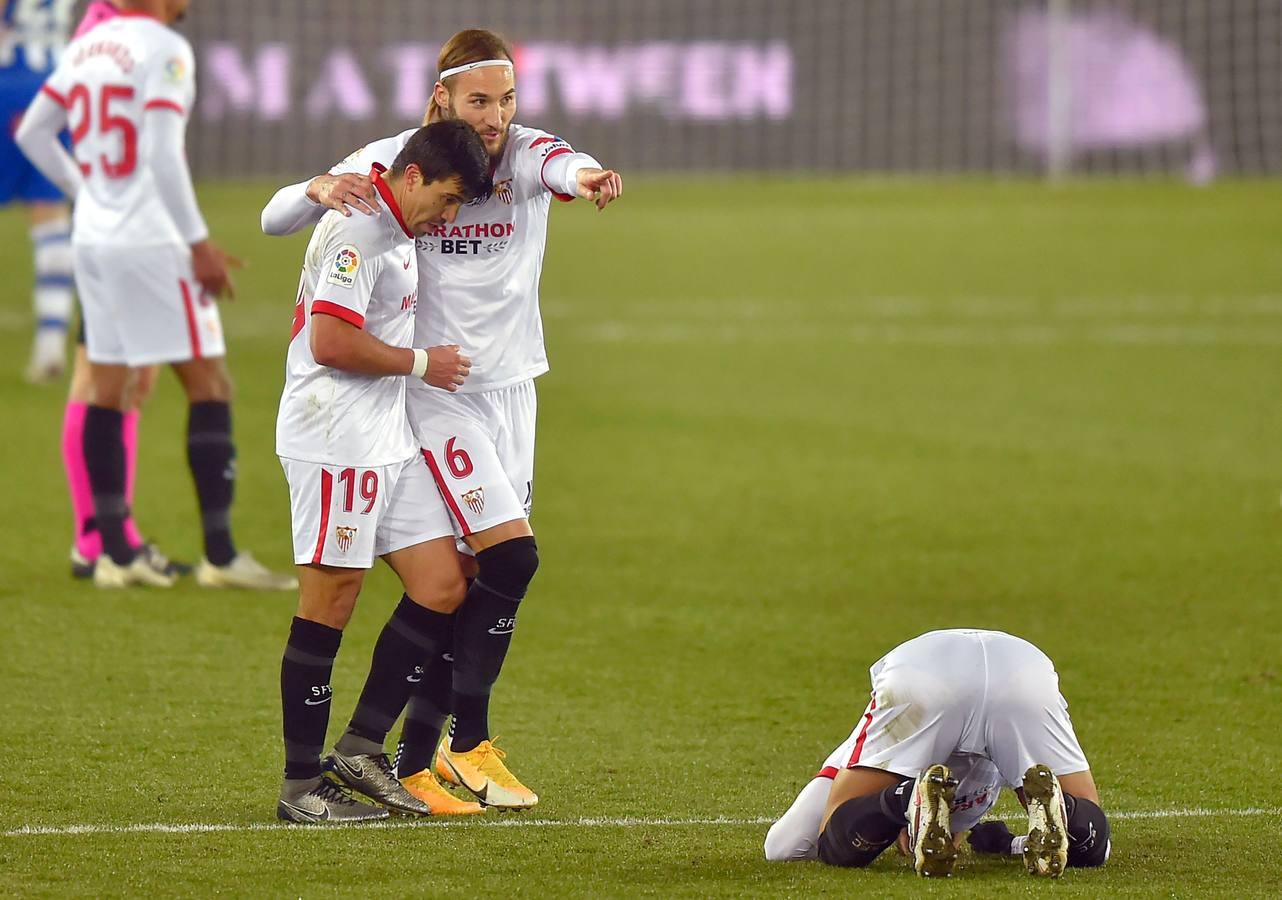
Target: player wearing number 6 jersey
[145, 269]
[479, 280]
[358, 485]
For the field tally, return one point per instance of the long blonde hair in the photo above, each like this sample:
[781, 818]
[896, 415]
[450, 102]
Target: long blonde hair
[468, 46]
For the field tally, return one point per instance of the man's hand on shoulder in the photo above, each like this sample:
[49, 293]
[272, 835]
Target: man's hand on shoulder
[343, 193]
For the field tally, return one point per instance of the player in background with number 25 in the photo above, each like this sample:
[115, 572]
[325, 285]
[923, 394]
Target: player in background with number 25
[145, 269]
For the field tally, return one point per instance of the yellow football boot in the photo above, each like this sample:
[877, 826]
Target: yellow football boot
[424, 786]
[443, 772]
[482, 772]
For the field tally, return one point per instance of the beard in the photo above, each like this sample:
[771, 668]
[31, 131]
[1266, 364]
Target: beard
[497, 153]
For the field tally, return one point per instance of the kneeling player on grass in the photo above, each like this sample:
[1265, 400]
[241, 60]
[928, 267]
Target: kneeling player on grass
[954, 716]
[357, 482]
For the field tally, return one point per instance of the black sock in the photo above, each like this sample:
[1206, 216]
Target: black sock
[104, 449]
[212, 458]
[860, 829]
[428, 708]
[305, 694]
[1089, 836]
[483, 633]
[411, 635]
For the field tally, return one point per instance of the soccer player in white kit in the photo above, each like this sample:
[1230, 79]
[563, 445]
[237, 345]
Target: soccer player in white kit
[479, 288]
[145, 269]
[955, 716]
[358, 484]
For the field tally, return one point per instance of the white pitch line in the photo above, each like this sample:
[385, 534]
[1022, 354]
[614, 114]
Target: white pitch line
[1197, 812]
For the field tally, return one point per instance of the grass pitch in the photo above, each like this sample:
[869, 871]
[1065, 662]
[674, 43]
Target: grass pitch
[789, 424]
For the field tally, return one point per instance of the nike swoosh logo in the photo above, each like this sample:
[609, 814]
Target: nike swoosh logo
[448, 657]
[302, 813]
[413, 679]
[500, 631]
[357, 772]
[313, 702]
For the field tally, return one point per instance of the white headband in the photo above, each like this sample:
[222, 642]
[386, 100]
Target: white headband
[467, 67]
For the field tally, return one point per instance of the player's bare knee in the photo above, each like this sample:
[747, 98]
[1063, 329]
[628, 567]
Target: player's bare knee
[141, 386]
[109, 385]
[328, 596]
[441, 593]
[206, 381]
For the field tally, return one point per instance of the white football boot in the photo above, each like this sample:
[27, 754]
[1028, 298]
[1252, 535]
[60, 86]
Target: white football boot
[1046, 852]
[48, 357]
[243, 572]
[107, 574]
[930, 835]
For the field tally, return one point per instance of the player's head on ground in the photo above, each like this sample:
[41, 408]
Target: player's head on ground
[477, 84]
[443, 166]
[168, 11]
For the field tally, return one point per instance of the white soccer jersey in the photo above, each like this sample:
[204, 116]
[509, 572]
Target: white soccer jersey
[364, 270]
[480, 275]
[107, 79]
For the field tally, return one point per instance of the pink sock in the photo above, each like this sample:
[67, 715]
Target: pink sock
[73, 462]
[130, 435]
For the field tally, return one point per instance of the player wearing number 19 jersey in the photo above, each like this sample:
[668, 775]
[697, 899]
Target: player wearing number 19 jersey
[358, 485]
[145, 269]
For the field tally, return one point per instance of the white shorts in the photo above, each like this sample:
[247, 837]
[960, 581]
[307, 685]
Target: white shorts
[965, 698]
[142, 306]
[348, 515]
[480, 449]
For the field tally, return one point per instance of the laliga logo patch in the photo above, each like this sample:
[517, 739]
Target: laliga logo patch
[344, 535]
[343, 272]
[175, 70]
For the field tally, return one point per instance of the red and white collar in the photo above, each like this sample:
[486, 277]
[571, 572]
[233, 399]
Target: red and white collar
[376, 175]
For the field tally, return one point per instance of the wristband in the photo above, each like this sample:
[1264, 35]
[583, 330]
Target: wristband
[420, 364]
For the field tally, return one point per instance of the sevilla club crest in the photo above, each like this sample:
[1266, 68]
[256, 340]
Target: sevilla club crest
[344, 535]
[475, 500]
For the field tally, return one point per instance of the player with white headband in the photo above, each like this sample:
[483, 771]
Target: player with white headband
[479, 289]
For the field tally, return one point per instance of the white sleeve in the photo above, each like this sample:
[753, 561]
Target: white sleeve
[796, 834]
[383, 152]
[349, 265]
[37, 137]
[164, 151]
[170, 92]
[548, 163]
[560, 172]
[290, 210]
